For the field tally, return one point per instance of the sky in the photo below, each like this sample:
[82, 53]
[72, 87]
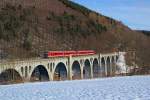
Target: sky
[133, 13]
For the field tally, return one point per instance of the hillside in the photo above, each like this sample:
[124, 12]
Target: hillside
[144, 32]
[30, 27]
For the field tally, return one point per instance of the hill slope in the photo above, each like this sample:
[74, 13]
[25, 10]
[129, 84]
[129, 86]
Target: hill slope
[29, 27]
[144, 32]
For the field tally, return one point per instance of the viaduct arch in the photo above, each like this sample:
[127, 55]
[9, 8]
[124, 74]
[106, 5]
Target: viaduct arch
[10, 76]
[87, 69]
[60, 72]
[96, 68]
[40, 73]
[63, 68]
[76, 70]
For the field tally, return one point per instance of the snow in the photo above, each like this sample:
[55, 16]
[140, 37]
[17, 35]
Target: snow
[121, 63]
[116, 88]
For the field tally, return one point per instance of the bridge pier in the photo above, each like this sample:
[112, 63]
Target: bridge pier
[82, 72]
[110, 66]
[100, 65]
[91, 72]
[70, 67]
[51, 77]
[105, 66]
[115, 66]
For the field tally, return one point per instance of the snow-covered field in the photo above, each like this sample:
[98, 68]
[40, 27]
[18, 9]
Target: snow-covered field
[119, 88]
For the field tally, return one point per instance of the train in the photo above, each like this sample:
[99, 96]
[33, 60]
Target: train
[50, 54]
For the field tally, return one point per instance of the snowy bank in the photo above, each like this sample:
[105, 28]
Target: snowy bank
[117, 88]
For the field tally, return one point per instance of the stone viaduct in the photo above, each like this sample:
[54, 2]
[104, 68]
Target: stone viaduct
[60, 68]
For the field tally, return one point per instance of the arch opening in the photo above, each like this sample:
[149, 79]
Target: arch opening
[117, 57]
[108, 66]
[10, 76]
[76, 70]
[96, 69]
[87, 69]
[103, 67]
[40, 73]
[60, 72]
[113, 66]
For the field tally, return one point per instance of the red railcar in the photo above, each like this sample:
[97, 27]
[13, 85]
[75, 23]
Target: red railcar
[68, 53]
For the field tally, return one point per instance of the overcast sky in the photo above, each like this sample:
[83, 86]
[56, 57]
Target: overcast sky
[133, 13]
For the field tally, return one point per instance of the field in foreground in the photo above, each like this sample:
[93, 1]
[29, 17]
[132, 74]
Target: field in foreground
[118, 88]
